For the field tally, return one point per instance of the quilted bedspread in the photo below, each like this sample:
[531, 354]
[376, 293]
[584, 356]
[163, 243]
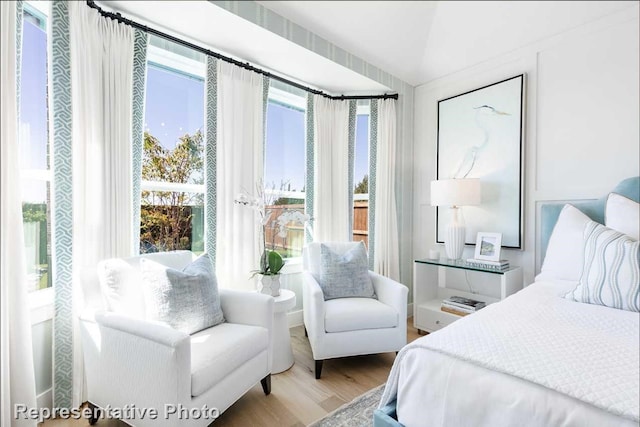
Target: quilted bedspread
[587, 352]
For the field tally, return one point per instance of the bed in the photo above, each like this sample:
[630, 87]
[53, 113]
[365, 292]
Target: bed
[536, 358]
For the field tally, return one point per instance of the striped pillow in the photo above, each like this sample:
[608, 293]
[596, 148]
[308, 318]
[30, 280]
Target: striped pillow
[611, 271]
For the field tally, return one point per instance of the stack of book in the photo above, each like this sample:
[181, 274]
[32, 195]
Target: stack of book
[501, 265]
[461, 306]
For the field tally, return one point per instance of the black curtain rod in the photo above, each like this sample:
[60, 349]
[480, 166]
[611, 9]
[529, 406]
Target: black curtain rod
[118, 17]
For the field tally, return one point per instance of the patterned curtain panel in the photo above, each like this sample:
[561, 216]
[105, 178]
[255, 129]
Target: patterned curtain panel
[17, 375]
[353, 105]
[211, 142]
[140, 44]
[309, 169]
[92, 62]
[385, 221]
[62, 253]
[373, 158]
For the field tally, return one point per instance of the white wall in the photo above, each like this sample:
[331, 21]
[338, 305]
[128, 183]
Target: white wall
[41, 334]
[581, 121]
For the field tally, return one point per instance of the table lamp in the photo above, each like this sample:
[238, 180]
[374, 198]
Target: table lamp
[455, 193]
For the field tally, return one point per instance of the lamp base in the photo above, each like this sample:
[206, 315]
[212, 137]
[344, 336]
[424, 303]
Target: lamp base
[455, 236]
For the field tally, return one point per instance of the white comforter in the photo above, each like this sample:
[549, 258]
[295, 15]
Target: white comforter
[534, 359]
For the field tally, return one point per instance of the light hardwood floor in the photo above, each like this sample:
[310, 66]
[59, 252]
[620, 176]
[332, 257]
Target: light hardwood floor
[297, 398]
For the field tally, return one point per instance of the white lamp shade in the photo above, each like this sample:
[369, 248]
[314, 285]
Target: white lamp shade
[455, 192]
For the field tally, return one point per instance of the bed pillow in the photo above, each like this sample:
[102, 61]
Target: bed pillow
[346, 275]
[623, 215]
[564, 258]
[611, 272]
[186, 300]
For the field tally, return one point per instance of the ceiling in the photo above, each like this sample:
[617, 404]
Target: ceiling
[417, 41]
[210, 26]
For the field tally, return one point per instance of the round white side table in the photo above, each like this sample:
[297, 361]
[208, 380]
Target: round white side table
[282, 353]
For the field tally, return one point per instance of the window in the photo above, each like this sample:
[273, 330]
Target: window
[284, 171]
[35, 150]
[172, 199]
[361, 175]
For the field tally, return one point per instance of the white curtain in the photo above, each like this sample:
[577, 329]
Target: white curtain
[101, 82]
[240, 157]
[17, 376]
[386, 257]
[331, 192]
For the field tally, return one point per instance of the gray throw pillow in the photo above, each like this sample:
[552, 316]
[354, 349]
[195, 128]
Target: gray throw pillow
[186, 300]
[346, 275]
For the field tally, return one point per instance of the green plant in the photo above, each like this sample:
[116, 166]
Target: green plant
[275, 262]
[262, 203]
[271, 263]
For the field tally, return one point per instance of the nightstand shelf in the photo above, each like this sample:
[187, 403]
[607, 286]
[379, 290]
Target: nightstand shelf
[429, 289]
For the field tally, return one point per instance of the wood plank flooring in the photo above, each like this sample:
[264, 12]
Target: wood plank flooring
[297, 398]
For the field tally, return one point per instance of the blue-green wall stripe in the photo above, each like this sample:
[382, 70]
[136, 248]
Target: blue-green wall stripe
[353, 104]
[211, 152]
[373, 157]
[309, 169]
[62, 262]
[137, 126]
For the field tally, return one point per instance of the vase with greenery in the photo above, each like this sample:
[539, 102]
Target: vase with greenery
[271, 262]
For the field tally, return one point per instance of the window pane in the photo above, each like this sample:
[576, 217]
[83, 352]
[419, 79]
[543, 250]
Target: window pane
[34, 151]
[288, 240]
[174, 154]
[284, 175]
[285, 148]
[174, 105]
[171, 221]
[33, 97]
[361, 180]
[37, 232]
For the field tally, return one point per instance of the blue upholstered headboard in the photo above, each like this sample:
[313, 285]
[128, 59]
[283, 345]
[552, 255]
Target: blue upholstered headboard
[594, 209]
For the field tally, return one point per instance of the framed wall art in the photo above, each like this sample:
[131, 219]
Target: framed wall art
[480, 135]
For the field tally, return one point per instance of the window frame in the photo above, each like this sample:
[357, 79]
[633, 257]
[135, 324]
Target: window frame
[364, 110]
[40, 301]
[298, 103]
[295, 102]
[169, 61]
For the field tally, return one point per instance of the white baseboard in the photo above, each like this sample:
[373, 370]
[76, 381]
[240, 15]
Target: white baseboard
[45, 399]
[294, 318]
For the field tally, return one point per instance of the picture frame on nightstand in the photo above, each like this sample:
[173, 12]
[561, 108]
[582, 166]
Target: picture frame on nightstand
[488, 246]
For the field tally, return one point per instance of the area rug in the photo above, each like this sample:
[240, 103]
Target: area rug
[357, 413]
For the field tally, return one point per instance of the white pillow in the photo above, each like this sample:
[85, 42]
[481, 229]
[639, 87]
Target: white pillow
[623, 215]
[121, 281]
[564, 257]
[121, 288]
[611, 273]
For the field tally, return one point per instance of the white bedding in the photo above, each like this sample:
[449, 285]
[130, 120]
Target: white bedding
[534, 360]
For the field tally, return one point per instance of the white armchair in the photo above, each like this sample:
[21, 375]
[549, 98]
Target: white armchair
[351, 326]
[131, 361]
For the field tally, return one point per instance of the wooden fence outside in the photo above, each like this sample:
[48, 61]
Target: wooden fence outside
[291, 245]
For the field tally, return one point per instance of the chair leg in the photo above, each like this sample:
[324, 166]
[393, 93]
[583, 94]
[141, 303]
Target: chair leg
[95, 413]
[266, 385]
[318, 369]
